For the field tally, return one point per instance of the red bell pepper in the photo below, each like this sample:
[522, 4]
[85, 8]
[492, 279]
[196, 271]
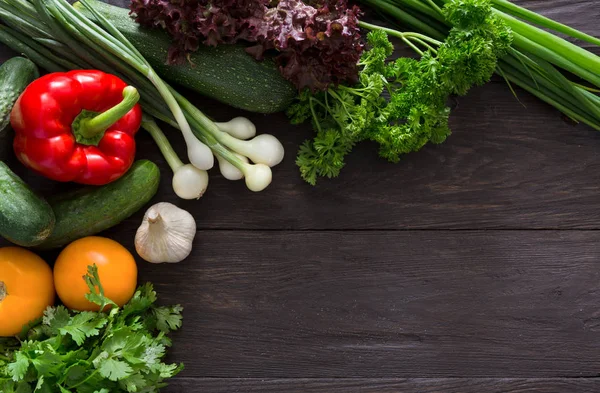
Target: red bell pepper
[77, 126]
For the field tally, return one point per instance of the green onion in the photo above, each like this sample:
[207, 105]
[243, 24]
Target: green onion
[535, 60]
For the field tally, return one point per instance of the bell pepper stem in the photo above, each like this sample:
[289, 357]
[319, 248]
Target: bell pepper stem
[91, 127]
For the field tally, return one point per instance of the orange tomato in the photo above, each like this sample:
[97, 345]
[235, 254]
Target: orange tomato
[116, 268]
[26, 289]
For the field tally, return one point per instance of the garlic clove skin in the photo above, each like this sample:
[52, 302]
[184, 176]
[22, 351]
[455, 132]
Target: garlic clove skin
[166, 234]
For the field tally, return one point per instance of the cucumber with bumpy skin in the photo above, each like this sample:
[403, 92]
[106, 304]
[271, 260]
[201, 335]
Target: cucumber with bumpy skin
[87, 211]
[226, 72]
[15, 75]
[25, 218]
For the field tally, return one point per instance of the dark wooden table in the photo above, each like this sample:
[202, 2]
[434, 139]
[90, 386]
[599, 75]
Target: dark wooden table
[470, 267]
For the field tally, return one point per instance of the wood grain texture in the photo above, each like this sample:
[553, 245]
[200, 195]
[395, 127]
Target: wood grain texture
[266, 304]
[359, 385]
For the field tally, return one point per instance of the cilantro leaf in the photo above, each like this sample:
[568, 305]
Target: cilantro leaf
[168, 318]
[96, 295]
[169, 370]
[113, 369]
[47, 361]
[86, 352]
[152, 354]
[56, 318]
[75, 373]
[83, 325]
[18, 368]
[135, 382]
[39, 384]
[141, 301]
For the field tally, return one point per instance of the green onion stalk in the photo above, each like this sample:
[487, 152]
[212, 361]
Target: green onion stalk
[535, 61]
[58, 37]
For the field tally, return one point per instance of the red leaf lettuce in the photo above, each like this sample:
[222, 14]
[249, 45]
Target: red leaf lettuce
[317, 46]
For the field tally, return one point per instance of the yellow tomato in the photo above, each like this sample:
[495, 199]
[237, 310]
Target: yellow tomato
[116, 268]
[26, 289]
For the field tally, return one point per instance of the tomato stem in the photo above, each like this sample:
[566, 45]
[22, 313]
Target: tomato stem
[3, 292]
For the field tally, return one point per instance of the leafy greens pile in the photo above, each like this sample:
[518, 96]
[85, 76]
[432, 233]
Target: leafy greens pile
[401, 104]
[93, 352]
[317, 46]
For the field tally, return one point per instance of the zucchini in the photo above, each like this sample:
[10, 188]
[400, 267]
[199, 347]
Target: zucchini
[15, 75]
[89, 210]
[25, 218]
[226, 72]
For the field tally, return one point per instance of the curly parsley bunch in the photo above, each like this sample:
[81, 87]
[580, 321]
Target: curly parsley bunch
[401, 104]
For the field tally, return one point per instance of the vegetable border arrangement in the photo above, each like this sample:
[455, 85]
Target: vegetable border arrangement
[111, 71]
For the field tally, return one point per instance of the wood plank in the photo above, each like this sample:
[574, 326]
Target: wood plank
[360, 385]
[264, 304]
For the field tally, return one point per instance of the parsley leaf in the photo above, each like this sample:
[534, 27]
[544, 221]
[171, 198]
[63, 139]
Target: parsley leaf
[401, 104]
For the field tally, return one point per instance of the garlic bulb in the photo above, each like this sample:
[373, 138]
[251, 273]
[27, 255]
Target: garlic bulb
[166, 234]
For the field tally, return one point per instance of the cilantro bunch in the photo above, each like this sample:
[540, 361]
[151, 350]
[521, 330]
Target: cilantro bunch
[401, 104]
[120, 350]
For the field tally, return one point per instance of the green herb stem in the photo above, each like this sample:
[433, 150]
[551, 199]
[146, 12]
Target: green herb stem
[407, 37]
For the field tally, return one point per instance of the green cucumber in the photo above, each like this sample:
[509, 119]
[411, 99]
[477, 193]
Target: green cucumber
[89, 210]
[25, 218]
[226, 73]
[15, 75]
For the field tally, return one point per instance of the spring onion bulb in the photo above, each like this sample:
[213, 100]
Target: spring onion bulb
[238, 127]
[199, 154]
[189, 182]
[228, 170]
[258, 176]
[262, 149]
